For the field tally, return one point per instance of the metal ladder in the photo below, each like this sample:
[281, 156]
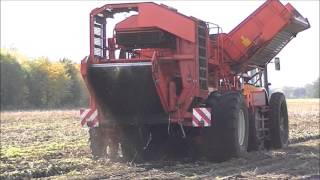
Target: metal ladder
[202, 53]
[99, 36]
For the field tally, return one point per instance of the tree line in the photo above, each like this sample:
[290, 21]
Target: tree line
[40, 83]
[308, 91]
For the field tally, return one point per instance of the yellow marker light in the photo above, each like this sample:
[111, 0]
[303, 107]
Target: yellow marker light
[245, 41]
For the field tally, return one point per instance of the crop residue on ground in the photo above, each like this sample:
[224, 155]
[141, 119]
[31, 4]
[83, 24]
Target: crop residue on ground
[51, 144]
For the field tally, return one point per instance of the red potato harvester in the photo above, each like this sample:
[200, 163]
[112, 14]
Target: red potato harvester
[166, 83]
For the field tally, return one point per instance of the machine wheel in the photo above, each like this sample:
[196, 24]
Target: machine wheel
[131, 145]
[159, 146]
[176, 147]
[254, 143]
[148, 143]
[128, 149]
[279, 124]
[228, 135]
[141, 143]
[98, 142]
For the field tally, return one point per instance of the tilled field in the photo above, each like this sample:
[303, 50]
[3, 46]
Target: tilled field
[51, 144]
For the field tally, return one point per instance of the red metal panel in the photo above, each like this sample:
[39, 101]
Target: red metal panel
[166, 19]
[131, 21]
[154, 15]
[258, 28]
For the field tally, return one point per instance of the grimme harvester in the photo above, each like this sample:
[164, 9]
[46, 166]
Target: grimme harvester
[165, 84]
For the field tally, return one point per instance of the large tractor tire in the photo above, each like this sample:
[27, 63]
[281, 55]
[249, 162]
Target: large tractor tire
[279, 124]
[228, 135]
[98, 142]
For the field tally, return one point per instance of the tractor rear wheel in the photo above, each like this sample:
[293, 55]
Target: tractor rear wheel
[228, 135]
[98, 142]
[279, 124]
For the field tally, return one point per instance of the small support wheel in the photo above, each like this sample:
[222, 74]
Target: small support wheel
[98, 142]
[256, 137]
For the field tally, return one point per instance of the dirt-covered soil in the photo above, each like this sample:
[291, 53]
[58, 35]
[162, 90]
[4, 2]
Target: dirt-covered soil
[52, 145]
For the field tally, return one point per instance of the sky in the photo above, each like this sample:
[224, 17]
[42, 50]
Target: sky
[58, 29]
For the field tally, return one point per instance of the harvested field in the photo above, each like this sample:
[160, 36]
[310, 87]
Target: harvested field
[52, 145]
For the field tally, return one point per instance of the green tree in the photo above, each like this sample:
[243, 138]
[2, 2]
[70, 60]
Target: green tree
[48, 83]
[58, 85]
[84, 93]
[40, 83]
[73, 90]
[12, 82]
[78, 94]
[37, 82]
